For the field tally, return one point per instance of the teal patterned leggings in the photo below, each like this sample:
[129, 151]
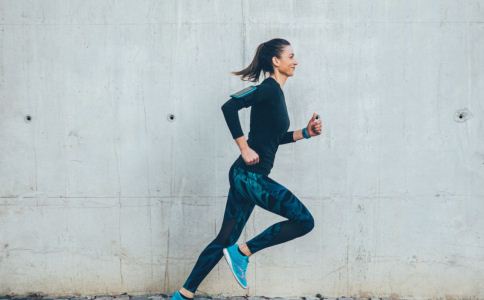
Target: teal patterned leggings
[246, 190]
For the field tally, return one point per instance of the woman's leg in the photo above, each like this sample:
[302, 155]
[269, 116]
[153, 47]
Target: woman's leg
[274, 197]
[237, 212]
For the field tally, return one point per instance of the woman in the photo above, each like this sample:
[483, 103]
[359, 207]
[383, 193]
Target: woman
[248, 175]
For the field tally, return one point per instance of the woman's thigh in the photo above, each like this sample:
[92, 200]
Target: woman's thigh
[270, 195]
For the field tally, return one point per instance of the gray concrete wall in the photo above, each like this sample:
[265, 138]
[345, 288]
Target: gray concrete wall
[101, 193]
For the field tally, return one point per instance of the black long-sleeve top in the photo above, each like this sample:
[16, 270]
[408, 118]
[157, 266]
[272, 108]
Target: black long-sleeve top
[269, 122]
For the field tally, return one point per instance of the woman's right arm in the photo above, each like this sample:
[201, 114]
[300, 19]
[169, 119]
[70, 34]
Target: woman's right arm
[230, 111]
[231, 114]
[242, 143]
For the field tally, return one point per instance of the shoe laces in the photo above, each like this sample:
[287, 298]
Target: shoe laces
[244, 261]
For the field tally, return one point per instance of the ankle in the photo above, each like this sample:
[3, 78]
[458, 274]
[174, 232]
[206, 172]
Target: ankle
[186, 293]
[245, 249]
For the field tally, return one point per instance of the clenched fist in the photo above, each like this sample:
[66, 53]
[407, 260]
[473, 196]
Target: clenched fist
[249, 156]
[314, 126]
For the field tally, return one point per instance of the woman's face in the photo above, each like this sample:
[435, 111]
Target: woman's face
[287, 63]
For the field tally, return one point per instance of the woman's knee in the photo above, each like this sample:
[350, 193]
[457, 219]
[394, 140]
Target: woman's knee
[226, 238]
[307, 224]
[222, 242]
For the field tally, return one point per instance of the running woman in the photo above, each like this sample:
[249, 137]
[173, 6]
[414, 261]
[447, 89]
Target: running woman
[248, 175]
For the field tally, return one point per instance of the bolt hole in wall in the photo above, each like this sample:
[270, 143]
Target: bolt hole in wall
[462, 115]
[171, 117]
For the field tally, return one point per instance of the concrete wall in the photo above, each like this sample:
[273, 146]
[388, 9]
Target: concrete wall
[102, 193]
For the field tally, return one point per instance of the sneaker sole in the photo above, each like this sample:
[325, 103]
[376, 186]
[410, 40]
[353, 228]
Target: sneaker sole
[229, 261]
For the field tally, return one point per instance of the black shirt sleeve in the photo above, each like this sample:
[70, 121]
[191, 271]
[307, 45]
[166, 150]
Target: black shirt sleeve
[231, 108]
[287, 138]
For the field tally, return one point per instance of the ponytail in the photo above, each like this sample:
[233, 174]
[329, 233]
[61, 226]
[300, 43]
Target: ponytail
[262, 61]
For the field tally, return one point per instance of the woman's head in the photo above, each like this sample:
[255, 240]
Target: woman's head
[274, 56]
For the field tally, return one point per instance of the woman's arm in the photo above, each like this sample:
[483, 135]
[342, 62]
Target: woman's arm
[230, 111]
[238, 101]
[298, 135]
[242, 143]
[291, 137]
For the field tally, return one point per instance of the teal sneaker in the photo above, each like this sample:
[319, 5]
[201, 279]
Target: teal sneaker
[237, 263]
[176, 296]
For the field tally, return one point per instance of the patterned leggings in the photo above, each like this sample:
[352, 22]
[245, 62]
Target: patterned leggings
[246, 190]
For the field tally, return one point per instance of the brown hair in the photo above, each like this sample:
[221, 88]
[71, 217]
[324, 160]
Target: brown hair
[262, 60]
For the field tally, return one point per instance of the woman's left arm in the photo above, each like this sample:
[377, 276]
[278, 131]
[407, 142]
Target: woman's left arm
[291, 137]
[313, 129]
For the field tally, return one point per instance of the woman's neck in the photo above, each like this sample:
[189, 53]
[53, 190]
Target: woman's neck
[281, 79]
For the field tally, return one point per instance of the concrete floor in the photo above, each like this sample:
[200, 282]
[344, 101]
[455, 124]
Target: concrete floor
[165, 296]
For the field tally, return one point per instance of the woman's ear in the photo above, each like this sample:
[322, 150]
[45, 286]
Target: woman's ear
[275, 61]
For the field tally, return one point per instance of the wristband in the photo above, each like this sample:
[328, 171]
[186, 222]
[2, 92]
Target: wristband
[305, 133]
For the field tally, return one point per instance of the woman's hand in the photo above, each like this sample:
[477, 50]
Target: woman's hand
[249, 156]
[314, 126]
